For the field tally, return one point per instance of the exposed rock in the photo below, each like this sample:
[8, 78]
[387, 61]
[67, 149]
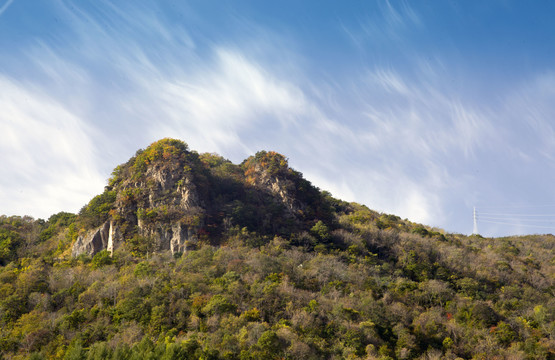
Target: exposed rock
[173, 236]
[115, 238]
[283, 189]
[164, 197]
[168, 195]
[181, 236]
[93, 241]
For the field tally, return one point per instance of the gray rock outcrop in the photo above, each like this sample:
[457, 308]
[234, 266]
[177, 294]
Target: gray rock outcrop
[173, 237]
[166, 195]
[93, 241]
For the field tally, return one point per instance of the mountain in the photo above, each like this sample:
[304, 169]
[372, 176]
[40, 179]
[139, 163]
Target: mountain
[170, 197]
[188, 256]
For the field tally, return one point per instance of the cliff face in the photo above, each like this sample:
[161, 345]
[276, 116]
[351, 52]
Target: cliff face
[167, 198]
[156, 202]
[92, 241]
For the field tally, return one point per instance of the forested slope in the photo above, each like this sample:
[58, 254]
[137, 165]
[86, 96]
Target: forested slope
[269, 267]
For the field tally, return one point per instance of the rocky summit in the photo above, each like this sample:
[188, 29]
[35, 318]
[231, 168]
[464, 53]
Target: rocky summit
[167, 197]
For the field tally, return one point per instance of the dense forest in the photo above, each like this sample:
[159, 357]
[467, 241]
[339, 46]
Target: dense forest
[208, 259]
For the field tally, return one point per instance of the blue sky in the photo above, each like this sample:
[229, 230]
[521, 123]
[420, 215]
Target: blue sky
[420, 109]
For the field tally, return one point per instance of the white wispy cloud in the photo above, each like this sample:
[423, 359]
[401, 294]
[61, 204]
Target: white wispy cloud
[226, 102]
[412, 130]
[387, 25]
[5, 6]
[529, 111]
[48, 161]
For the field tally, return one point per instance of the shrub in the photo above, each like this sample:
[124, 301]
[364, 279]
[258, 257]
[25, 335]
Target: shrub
[102, 258]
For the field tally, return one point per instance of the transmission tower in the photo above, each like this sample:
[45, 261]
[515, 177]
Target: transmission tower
[475, 230]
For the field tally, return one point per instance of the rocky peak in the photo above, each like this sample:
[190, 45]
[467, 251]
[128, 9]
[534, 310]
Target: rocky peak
[270, 172]
[156, 199]
[168, 197]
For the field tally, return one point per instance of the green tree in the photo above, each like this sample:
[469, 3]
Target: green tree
[321, 231]
[9, 242]
[100, 259]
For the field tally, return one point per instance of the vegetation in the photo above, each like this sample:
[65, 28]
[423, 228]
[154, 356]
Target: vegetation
[334, 280]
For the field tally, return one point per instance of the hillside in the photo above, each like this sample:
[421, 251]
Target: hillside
[188, 256]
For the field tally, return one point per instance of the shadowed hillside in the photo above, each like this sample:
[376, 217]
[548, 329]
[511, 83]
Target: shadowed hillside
[188, 256]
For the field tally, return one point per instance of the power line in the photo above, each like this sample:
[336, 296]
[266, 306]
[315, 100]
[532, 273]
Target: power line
[518, 224]
[516, 216]
[514, 219]
[520, 215]
[516, 206]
